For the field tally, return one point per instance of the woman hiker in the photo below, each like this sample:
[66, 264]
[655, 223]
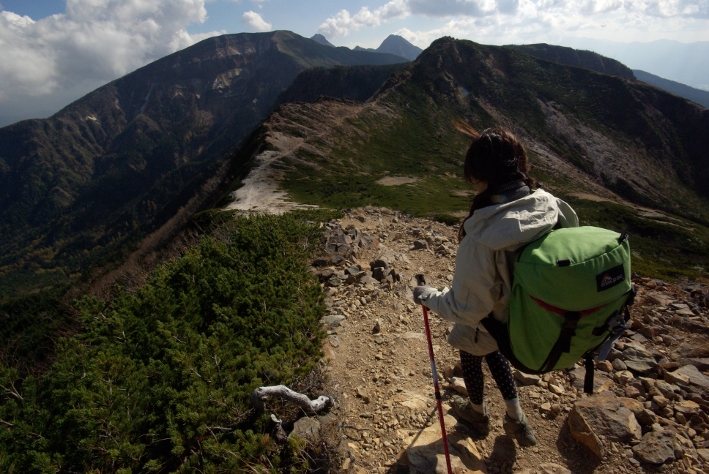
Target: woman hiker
[506, 213]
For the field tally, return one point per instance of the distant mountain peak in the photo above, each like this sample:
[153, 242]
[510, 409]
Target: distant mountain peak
[395, 44]
[318, 38]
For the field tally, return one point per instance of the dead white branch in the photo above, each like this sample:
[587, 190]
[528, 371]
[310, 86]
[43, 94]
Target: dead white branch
[281, 391]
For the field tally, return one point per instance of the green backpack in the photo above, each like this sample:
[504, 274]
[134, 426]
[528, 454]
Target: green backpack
[570, 294]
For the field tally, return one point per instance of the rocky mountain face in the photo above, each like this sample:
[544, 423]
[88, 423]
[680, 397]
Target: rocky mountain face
[116, 164]
[578, 58]
[690, 93]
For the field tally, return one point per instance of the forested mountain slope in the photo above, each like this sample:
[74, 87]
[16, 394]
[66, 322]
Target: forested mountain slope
[116, 164]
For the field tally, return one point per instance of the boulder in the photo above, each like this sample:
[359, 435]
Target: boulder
[602, 416]
[656, 447]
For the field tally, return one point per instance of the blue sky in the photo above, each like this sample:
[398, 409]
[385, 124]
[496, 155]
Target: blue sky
[55, 51]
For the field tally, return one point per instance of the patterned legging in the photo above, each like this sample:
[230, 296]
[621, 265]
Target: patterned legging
[473, 375]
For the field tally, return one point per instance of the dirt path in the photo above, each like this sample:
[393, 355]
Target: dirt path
[381, 378]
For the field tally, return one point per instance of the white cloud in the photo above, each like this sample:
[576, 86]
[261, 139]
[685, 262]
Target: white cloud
[514, 21]
[255, 22]
[93, 42]
[343, 23]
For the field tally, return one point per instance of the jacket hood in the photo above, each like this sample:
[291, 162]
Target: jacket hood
[509, 225]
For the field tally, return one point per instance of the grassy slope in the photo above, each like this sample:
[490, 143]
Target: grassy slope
[408, 133]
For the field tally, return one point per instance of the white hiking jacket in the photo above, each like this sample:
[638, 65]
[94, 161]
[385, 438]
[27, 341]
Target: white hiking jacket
[482, 283]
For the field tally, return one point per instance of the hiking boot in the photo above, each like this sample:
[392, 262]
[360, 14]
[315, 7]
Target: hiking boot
[519, 430]
[479, 423]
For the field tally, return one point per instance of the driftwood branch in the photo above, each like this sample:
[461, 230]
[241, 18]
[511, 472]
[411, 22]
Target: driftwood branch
[281, 391]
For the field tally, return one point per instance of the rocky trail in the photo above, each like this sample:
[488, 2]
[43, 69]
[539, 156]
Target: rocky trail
[649, 411]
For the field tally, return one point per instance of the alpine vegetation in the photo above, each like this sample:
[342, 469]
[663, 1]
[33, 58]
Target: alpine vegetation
[159, 379]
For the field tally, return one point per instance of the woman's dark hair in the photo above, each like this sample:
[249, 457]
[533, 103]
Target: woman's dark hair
[497, 157]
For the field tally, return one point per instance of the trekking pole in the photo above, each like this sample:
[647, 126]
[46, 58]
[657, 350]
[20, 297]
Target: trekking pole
[421, 281]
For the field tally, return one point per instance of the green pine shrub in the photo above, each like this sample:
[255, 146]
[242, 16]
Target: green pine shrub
[159, 380]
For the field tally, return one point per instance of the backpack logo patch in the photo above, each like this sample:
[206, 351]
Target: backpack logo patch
[610, 278]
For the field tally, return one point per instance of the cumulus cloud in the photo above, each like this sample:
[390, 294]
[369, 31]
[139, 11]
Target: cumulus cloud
[343, 23]
[254, 21]
[507, 21]
[91, 43]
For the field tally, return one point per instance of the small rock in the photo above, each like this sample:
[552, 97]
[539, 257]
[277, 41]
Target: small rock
[661, 401]
[420, 245]
[648, 332]
[604, 366]
[687, 408]
[307, 428]
[332, 320]
[458, 384]
[526, 379]
[556, 389]
[619, 365]
[377, 327]
[380, 273]
[334, 340]
[362, 393]
[691, 374]
[638, 359]
[546, 468]
[658, 299]
[600, 380]
[631, 392]
[624, 377]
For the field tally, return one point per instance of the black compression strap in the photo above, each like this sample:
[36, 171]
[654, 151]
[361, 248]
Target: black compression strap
[588, 379]
[563, 343]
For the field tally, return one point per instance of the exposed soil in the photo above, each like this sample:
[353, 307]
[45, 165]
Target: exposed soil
[396, 180]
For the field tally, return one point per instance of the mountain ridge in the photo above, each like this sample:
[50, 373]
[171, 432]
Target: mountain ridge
[699, 96]
[121, 161]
